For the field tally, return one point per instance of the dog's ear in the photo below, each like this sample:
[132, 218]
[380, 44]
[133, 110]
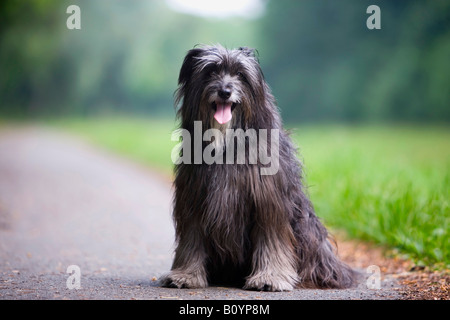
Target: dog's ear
[249, 52]
[188, 65]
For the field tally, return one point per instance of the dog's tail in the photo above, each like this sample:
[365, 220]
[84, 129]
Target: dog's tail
[319, 265]
[328, 271]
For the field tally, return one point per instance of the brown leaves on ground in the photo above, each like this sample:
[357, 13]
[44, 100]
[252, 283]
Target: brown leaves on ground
[418, 282]
[426, 285]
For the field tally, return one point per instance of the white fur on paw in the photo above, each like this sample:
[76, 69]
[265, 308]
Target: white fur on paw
[269, 283]
[181, 280]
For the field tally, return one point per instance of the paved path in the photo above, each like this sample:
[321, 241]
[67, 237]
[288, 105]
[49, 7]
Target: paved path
[63, 202]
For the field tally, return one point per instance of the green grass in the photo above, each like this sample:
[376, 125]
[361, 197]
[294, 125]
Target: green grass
[387, 184]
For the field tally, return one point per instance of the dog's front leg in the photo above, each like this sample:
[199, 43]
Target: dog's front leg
[273, 261]
[188, 269]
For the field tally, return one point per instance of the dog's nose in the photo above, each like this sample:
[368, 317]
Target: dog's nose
[224, 93]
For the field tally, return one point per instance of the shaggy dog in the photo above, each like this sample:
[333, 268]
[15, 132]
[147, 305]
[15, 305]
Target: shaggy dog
[235, 223]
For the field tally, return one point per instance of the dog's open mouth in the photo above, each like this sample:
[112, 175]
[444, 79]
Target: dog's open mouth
[223, 111]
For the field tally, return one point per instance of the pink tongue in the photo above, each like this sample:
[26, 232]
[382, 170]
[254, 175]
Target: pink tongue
[223, 113]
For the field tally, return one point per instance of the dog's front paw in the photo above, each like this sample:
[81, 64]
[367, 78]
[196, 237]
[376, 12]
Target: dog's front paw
[269, 283]
[181, 280]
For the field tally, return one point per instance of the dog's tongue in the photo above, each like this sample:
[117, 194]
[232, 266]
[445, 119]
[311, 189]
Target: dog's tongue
[223, 113]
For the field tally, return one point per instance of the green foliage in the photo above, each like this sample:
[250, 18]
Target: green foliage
[325, 64]
[385, 184]
[125, 58]
[318, 55]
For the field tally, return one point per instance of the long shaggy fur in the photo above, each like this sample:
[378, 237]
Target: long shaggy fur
[234, 225]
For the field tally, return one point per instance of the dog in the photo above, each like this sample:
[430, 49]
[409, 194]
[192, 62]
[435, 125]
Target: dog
[235, 225]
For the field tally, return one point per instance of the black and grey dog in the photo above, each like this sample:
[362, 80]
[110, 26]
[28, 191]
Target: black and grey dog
[235, 225]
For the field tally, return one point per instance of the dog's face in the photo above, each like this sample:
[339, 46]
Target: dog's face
[222, 88]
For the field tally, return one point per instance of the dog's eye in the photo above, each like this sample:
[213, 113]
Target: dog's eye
[241, 75]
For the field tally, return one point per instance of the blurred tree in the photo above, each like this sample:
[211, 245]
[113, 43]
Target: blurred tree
[27, 30]
[325, 64]
[125, 58]
[318, 55]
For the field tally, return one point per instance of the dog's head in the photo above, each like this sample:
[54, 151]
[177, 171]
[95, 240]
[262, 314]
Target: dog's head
[222, 88]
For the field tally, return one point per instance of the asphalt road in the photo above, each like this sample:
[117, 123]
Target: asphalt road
[65, 203]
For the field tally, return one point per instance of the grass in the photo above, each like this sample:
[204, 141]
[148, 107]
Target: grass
[387, 184]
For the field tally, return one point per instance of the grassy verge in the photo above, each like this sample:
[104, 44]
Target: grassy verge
[385, 184]
[388, 184]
